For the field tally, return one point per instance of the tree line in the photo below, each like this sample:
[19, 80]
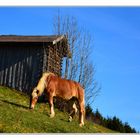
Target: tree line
[113, 123]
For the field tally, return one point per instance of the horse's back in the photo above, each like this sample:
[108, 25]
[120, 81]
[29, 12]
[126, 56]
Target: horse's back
[66, 88]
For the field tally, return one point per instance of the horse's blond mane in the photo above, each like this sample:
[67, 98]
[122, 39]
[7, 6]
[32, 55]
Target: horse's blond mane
[42, 82]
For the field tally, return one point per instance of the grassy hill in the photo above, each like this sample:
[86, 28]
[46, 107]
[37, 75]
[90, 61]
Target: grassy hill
[15, 117]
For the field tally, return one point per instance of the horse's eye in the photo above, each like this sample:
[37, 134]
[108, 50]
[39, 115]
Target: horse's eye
[37, 91]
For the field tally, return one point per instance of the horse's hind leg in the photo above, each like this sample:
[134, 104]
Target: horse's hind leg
[73, 112]
[81, 113]
[52, 113]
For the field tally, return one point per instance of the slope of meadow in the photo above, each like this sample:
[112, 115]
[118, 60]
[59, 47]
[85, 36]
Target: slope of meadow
[15, 117]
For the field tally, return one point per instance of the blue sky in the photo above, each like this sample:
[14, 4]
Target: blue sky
[116, 52]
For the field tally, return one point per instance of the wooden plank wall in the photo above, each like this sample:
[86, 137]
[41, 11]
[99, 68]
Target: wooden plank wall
[20, 66]
[54, 59]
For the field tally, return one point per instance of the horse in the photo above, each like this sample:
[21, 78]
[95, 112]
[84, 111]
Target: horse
[55, 86]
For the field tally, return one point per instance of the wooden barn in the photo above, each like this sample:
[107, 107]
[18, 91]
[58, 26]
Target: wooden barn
[23, 59]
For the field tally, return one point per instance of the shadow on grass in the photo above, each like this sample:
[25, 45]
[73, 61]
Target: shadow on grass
[15, 104]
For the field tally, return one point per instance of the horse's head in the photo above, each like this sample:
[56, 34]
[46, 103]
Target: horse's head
[34, 98]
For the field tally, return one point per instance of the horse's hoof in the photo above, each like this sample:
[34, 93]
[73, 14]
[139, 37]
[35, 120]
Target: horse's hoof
[81, 124]
[70, 118]
[52, 115]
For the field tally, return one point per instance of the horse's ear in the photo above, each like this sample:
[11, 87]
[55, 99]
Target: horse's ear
[48, 78]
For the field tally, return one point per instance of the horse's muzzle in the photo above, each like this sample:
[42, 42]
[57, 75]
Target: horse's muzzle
[33, 102]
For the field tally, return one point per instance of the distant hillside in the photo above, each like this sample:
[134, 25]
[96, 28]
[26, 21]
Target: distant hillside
[15, 117]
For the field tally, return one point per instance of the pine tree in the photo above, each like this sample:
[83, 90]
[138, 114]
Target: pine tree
[89, 113]
[98, 117]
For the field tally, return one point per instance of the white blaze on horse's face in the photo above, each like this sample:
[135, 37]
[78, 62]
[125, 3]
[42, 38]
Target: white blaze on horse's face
[34, 98]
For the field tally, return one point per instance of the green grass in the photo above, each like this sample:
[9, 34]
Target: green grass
[15, 117]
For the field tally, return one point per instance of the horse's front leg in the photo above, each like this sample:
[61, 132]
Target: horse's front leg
[52, 113]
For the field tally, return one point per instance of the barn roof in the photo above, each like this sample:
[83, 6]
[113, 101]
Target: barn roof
[52, 39]
[15, 38]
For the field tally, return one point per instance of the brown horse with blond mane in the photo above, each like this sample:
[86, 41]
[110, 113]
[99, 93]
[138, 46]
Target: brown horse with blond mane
[56, 86]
